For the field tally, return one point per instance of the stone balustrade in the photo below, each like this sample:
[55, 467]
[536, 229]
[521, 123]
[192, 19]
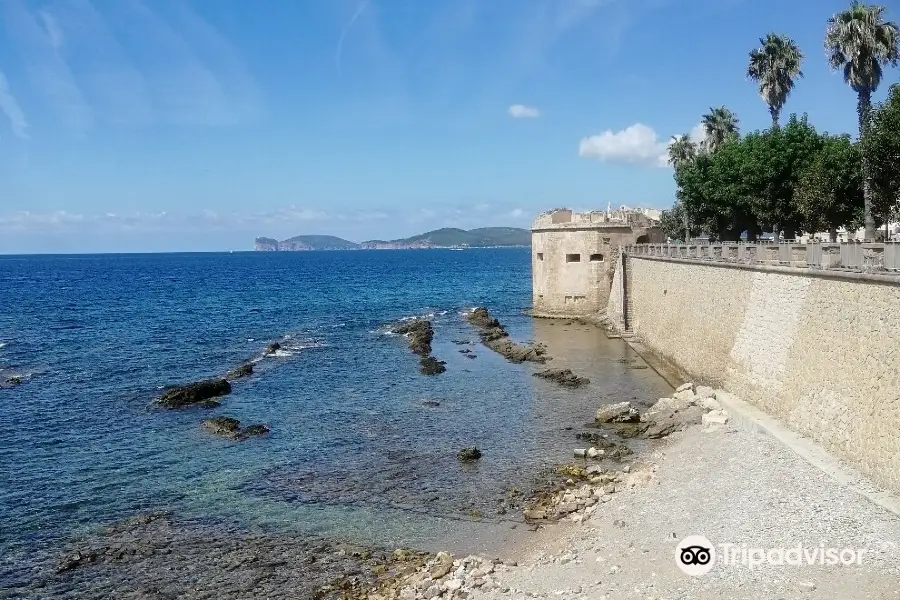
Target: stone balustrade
[881, 257]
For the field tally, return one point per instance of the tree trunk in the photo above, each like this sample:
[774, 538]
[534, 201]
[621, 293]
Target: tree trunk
[863, 104]
[775, 233]
[774, 112]
[833, 234]
[687, 228]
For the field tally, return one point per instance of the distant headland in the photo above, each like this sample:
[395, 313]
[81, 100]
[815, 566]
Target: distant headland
[483, 237]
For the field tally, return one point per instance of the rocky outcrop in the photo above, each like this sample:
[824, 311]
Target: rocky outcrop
[245, 370]
[419, 334]
[469, 454]
[494, 336]
[622, 412]
[429, 365]
[229, 427]
[272, 348]
[200, 393]
[564, 377]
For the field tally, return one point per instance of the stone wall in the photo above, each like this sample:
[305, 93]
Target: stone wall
[822, 354]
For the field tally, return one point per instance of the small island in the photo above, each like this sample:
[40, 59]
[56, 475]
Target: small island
[448, 237]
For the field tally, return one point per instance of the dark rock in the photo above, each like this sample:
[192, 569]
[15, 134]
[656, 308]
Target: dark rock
[465, 351]
[419, 334]
[253, 430]
[273, 348]
[431, 403]
[14, 381]
[495, 337]
[431, 366]
[665, 422]
[469, 454]
[229, 427]
[194, 393]
[564, 377]
[224, 426]
[471, 355]
[244, 370]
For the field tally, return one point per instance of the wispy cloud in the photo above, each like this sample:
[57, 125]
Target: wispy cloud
[12, 110]
[176, 68]
[283, 219]
[361, 7]
[637, 144]
[46, 69]
[520, 111]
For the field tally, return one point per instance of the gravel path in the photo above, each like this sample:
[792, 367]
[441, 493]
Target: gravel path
[729, 485]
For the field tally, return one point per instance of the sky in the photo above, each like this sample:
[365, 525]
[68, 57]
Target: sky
[189, 125]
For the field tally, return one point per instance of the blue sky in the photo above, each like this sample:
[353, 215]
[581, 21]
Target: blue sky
[139, 125]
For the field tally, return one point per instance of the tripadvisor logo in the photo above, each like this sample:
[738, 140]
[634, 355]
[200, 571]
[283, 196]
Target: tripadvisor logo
[696, 555]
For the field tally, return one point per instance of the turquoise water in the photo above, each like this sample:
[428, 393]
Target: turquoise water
[353, 452]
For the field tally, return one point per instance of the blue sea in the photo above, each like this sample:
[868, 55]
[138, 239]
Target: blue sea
[353, 452]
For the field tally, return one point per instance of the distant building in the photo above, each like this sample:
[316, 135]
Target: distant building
[574, 256]
[893, 233]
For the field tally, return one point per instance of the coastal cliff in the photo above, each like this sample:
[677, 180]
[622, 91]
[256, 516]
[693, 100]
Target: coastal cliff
[483, 237]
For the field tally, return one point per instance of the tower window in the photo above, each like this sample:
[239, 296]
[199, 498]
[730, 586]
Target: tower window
[540, 256]
[573, 258]
[596, 258]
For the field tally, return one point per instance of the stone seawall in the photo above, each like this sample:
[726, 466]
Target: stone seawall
[821, 354]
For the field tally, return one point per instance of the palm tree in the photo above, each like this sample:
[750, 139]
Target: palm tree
[720, 125]
[682, 151]
[861, 42]
[774, 66]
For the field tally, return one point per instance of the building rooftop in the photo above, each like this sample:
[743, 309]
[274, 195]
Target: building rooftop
[564, 218]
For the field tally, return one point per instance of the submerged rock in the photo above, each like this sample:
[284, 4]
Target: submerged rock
[431, 366]
[14, 381]
[195, 393]
[273, 348]
[254, 430]
[469, 454]
[244, 370]
[431, 403]
[230, 428]
[495, 337]
[564, 377]
[224, 426]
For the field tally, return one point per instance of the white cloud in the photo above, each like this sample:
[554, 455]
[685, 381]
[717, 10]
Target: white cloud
[516, 212]
[12, 110]
[520, 111]
[637, 144]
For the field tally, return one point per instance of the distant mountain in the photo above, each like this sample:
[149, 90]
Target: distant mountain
[457, 238]
[439, 238]
[305, 242]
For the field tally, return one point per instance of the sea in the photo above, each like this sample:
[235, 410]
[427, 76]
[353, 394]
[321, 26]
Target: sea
[362, 446]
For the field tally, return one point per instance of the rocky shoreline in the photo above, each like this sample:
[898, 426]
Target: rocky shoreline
[156, 556]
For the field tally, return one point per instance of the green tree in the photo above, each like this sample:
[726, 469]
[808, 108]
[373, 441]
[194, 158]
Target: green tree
[861, 42]
[720, 125]
[682, 152]
[775, 66]
[772, 164]
[881, 146]
[829, 190]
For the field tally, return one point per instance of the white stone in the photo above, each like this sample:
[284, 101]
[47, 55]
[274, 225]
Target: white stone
[620, 412]
[684, 395]
[710, 404]
[685, 386]
[806, 586]
[593, 470]
[593, 452]
[453, 585]
[716, 417]
[704, 391]
[580, 452]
